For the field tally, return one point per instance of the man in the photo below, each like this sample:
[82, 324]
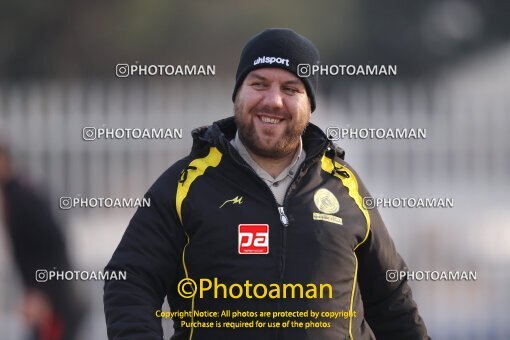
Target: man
[264, 200]
[52, 309]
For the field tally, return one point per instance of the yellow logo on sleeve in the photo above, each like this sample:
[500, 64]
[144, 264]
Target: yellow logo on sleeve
[326, 202]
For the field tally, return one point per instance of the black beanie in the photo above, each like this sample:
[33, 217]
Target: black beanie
[280, 48]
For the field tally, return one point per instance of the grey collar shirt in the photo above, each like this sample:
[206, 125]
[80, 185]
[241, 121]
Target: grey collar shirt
[281, 183]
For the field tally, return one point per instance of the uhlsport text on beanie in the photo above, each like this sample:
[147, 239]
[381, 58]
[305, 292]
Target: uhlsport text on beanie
[280, 48]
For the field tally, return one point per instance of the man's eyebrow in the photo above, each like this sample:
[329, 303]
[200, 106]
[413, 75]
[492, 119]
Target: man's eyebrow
[292, 82]
[254, 75]
[287, 82]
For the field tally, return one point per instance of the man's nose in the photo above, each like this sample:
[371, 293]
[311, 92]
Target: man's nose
[273, 97]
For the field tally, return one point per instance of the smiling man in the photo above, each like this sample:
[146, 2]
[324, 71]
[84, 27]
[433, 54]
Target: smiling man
[272, 112]
[262, 220]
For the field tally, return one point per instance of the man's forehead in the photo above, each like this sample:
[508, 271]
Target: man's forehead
[274, 74]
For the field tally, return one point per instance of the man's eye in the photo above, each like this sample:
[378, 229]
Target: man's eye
[290, 90]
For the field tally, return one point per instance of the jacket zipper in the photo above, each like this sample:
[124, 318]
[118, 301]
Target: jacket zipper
[284, 220]
[283, 217]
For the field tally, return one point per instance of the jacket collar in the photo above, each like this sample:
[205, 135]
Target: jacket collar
[222, 131]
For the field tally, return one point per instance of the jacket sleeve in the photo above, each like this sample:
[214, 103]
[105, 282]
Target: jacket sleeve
[149, 252]
[389, 307]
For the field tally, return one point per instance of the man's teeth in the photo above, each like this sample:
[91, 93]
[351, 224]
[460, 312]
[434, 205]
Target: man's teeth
[270, 120]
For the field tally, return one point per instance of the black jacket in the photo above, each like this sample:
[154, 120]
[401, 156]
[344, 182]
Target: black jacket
[191, 229]
[38, 243]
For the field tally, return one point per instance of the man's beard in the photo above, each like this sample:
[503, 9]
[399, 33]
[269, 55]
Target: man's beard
[286, 145]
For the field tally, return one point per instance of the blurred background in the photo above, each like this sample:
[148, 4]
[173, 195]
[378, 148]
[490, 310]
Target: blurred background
[57, 76]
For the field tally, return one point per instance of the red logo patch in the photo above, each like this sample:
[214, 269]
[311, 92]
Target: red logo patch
[253, 239]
